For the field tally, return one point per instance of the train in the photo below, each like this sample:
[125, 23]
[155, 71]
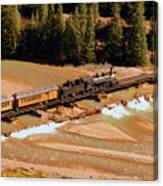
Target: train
[52, 92]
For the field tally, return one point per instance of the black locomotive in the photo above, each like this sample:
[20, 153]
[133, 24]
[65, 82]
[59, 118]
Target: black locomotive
[88, 84]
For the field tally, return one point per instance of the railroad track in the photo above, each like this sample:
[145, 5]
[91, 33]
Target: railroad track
[122, 84]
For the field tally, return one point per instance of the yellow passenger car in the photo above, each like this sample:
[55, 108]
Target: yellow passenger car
[36, 96]
[6, 103]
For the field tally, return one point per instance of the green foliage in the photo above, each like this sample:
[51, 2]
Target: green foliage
[115, 37]
[95, 11]
[58, 34]
[71, 48]
[11, 23]
[51, 35]
[81, 23]
[28, 47]
[42, 13]
[45, 33]
[152, 37]
[136, 53]
[82, 8]
[51, 10]
[90, 37]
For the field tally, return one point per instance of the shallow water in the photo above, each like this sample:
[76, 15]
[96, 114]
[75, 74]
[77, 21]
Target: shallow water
[140, 105]
[42, 129]
[118, 111]
[3, 138]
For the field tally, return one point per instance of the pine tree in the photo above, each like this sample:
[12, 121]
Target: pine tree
[84, 21]
[51, 10]
[42, 13]
[59, 19]
[90, 37]
[11, 25]
[71, 42]
[152, 37]
[82, 8]
[137, 45]
[76, 23]
[115, 37]
[95, 7]
[80, 23]
[48, 35]
[59, 29]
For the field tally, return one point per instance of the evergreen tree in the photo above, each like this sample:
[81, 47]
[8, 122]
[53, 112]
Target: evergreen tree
[82, 8]
[59, 19]
[77, 32]
[29, 45]
[11, 25]
[95, 7]
[71, 42]
[152, 37]
[82, 25]
[137, 45]
[90, 37]
[59, 29]
[115, 37]
[76, 22]
[47, 35]
[51, 10]
[42, 13]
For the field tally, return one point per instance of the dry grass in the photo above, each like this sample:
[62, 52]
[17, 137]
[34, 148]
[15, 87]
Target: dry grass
[21, 75]
[28, 74]
[23, 173]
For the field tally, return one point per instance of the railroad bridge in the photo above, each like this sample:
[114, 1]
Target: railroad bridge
[122, 84]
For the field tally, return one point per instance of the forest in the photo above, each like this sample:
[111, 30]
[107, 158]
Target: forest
[59, 34]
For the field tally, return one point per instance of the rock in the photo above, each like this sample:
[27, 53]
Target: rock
[146, 97]
[124, 102]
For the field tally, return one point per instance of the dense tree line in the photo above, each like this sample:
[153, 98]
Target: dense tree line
[46, 33]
